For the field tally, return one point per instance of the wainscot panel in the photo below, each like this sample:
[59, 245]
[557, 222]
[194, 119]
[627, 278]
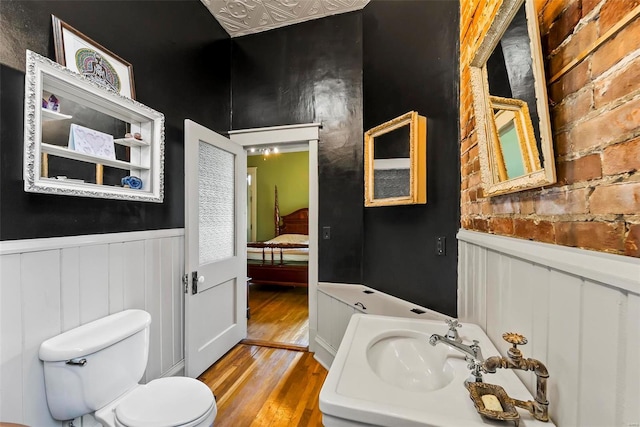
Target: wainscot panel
[48, 286]
[579, 310]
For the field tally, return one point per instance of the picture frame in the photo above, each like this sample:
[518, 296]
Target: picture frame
[84, 56]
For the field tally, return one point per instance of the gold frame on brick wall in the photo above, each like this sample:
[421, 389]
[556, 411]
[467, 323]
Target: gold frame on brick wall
[493, 182]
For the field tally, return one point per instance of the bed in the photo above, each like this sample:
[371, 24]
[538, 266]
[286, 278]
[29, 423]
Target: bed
[284, 259]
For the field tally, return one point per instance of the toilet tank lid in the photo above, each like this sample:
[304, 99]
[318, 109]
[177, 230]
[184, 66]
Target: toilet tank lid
[94, 336]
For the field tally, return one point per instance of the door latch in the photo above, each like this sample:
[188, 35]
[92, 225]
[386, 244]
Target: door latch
[194, 282]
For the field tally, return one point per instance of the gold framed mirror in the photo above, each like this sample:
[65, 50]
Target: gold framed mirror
[510, 103]
[395, 162]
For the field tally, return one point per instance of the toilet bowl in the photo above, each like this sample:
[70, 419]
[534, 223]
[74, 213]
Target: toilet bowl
[171, 402]
[95, 369]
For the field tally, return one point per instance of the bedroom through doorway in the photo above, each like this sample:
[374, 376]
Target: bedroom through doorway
[278, 245]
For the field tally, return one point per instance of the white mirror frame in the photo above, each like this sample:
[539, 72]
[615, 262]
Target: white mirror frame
[37, 69]
[483, 111]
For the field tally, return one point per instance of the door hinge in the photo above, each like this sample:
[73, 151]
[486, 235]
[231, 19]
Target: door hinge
[185, 283]
[194, 282]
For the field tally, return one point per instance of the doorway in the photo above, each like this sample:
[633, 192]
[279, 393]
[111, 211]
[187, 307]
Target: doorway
[278, 298]
[307, 135]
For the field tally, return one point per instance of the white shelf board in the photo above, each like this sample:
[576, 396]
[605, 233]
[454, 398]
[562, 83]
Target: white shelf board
[56, 150]
[131, 142]
[48, 115]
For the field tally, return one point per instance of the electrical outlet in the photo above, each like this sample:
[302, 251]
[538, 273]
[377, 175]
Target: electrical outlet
[326, 232]
[441, 246]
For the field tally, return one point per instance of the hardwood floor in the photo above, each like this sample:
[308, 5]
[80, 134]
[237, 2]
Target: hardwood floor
[270, 379]
[263, 386]
[278, 315]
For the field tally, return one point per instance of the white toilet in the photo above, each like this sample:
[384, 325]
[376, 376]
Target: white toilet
[95, 369]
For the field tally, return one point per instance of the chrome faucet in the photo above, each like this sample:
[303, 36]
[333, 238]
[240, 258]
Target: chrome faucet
[473, 353]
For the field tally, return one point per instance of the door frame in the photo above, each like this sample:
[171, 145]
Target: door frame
[253, 205]
[303, 133]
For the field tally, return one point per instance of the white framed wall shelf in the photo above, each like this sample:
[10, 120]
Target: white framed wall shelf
[81, 139]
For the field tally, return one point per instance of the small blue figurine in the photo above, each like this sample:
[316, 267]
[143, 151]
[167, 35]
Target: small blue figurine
[132, 182]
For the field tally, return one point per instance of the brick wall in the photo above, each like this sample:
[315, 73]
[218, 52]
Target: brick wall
[595, 114]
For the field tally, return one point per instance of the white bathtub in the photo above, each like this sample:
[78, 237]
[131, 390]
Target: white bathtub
[337, 302]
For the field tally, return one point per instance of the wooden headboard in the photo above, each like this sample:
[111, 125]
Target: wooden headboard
[295, 223]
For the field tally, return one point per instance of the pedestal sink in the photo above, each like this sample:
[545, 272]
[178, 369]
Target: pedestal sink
[386, 373]
[406, 360]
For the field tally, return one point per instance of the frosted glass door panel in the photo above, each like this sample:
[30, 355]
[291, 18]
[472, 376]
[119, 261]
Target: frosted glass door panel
[216, 191]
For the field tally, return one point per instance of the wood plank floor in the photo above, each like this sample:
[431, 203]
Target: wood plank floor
[263, 386]
[278, 315]
[270, 379]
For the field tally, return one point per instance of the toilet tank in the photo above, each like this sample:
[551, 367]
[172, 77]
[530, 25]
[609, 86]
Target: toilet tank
[87, 367]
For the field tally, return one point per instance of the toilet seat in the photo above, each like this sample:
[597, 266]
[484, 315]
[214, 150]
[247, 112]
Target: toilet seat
[166, 402]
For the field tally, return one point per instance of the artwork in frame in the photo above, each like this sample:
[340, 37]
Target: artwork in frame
[84, 56]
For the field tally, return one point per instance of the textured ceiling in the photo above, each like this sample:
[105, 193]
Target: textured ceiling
[241, 17]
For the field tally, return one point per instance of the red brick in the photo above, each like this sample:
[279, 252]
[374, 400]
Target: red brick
[474, 180]
[480, 224]
[571, 82]
[564, 25]
[607, 127]
[616, 199]
[562, 144]
[552, 11]
[583, 169]
[563, 202]
[503, 205]
[573, 109]
[540, 231]
[613, 11]
[485, 207]
[623, 83]
[614, 50]
[588, 6]
[466, 223]
[464, 197]
[621, 158]
[601, 236]
[502, 226]
[632, 241]
[526, 205]
[578, 43]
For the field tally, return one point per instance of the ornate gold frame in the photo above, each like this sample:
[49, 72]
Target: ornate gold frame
[417, 159]
[524, 129]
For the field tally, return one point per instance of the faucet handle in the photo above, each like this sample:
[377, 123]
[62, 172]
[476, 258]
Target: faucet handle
[515, 339]
[453, 323]
[452, 333]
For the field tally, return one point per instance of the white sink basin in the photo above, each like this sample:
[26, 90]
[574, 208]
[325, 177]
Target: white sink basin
[406, 360]
[386, 373]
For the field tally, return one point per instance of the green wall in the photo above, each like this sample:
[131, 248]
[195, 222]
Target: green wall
[290, 172]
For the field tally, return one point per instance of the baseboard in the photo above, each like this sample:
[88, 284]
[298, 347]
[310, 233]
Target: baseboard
[324, 354]
[176, 370]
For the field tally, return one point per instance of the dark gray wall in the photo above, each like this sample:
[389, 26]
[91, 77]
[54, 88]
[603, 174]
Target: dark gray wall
[181, 65]
[411, 63]
[312, 72]
[352, 72]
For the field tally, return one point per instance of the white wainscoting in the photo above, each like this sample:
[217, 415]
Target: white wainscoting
[580, 311]
[48, 286]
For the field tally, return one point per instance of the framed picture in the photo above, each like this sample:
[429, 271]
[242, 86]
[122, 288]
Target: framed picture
[79, 53]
